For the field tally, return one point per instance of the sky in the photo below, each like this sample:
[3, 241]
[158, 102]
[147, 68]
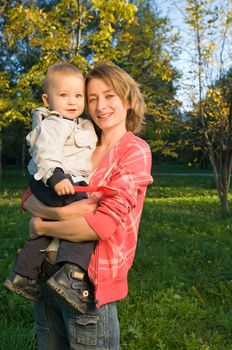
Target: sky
[173, 9]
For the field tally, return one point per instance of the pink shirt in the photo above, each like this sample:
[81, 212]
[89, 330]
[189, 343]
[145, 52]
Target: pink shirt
[116, 220]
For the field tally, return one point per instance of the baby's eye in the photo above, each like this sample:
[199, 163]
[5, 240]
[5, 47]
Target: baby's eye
[63, 95]
[78, 95]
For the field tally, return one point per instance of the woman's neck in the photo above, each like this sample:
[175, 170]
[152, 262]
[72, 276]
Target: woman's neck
[107, 142]
[110, 139]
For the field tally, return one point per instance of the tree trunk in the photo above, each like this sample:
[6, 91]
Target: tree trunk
[79, 29]
[222, 175]
[0, 155]
[222, 194]
[224, 204]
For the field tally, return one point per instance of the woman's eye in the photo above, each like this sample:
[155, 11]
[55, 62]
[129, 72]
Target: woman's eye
[91, 100]
[109, 96]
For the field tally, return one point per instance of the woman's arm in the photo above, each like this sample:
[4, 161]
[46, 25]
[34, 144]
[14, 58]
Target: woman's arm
[71, 211]
[70, 224]
[75, 230]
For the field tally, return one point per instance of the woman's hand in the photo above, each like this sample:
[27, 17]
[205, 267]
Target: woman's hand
[34, 227]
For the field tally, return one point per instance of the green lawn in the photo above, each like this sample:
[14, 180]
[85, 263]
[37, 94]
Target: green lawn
[180, 286]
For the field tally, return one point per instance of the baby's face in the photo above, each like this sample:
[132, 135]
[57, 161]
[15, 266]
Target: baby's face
[66, 95]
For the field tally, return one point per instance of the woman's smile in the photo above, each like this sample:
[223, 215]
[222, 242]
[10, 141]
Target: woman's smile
[105, 115]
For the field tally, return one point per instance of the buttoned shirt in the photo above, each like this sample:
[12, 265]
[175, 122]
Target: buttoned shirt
[57, 142]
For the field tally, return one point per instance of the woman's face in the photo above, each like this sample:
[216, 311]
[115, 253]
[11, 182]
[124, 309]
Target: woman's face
[105, 106]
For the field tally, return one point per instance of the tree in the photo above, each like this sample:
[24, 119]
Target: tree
[151, 49]
[79, 31]
[128, 33]
[214, 137]
[211, 116]
[36, 34]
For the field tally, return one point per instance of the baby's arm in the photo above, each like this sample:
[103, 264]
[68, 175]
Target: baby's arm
[64, 187]
[60, 183]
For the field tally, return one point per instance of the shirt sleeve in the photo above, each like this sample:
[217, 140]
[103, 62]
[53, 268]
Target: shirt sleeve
[57, 176]
[131, 177]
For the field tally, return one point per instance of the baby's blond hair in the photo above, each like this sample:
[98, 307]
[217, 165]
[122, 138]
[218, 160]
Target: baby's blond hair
[63, 68]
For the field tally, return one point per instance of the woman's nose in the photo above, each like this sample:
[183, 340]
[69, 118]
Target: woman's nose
[101, 104]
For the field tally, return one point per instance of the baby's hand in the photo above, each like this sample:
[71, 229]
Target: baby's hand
[64, 187]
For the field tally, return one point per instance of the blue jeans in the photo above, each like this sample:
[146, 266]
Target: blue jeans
[59, 327]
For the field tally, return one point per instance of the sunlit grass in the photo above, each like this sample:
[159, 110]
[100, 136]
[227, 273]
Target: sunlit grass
[180, 285]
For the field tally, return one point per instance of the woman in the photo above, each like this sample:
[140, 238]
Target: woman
[122, 161]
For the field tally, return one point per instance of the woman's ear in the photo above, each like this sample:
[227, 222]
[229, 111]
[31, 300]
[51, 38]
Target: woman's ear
[45, 100]
[127, 105]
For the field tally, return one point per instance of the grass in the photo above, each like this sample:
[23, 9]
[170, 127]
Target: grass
[180, 285]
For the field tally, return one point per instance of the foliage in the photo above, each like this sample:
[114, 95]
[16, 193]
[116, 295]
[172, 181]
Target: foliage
[36, 34]
[206, 43]
[215, 134]
[151, 51]
[65, 30]
[210, 120]
[180, 284]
